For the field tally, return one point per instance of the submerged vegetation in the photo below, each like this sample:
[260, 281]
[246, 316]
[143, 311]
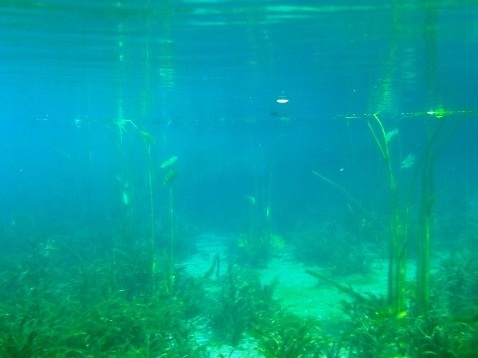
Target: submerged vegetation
[135, 294]
[175, 182]
[61, 298]
[63, 301]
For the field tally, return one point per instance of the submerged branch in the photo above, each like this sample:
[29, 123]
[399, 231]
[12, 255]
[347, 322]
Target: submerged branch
[347, 290]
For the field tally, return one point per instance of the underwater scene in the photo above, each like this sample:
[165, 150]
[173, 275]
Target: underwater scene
[243, 179]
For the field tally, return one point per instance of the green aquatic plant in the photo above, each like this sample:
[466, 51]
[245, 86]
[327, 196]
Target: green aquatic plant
[18, 341]
[243, 304]
[399, 235]
[437, 138]
[327, 244]
[95, 306]
[436, 335]
[148, 141]
[398, 225]
[289, 336]
[343, 191]
[258, 242]
[455, 285]
[408, 161]
[130, 229]
[256, 246]
[122, 124]
[169, 162]
[249, 250]
[372, 328]
[168, 180]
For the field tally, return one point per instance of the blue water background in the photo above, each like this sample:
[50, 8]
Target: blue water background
[203, 79]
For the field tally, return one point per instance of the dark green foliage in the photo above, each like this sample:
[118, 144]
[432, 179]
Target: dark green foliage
[456, 284]
[252, 250]
[95, 307]
[61, 300]
[328, 245]
[373, 331]
[440, 336]
[185, 236]
[289, 336]
[243, 303]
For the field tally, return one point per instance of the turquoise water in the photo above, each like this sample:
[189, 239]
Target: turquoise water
[162, 156]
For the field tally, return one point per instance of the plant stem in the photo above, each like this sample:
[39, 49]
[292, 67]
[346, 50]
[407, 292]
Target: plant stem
[397, 246]
[171, 239]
